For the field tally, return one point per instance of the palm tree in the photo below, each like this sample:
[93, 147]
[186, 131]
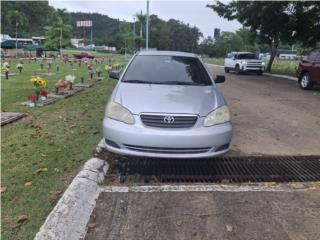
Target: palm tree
[141, 19]
[18, 19]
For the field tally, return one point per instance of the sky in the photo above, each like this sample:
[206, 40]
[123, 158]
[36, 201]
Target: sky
[193, 12]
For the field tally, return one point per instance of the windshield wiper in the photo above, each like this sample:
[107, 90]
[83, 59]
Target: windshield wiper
[179, 83]
[136, 81]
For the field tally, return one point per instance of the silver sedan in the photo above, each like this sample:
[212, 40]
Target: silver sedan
[167, 105]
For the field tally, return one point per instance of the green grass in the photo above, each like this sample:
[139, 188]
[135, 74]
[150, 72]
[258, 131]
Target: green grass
[284, 67]
[216, 61]
[60, 137]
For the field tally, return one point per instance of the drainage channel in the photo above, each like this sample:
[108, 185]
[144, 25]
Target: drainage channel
[217, 170]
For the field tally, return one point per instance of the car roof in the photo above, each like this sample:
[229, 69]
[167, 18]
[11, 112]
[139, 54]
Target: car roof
[166, 53]
[242, 52]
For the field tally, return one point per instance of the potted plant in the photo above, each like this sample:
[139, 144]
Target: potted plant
[70, 78]
[20, 67]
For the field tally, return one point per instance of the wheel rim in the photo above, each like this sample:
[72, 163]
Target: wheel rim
[304, 81]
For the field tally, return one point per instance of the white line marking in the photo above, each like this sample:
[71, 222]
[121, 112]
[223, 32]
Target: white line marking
[206, 188]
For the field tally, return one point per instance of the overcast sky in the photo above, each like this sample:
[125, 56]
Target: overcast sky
[193, 12]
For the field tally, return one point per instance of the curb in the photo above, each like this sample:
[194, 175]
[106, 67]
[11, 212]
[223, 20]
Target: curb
[281, 76]
[69, 218]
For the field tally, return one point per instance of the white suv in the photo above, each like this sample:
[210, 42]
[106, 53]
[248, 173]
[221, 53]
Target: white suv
[243, 62]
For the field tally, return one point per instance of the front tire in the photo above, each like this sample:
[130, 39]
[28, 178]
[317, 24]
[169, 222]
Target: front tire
[237, 69]
[260, 73]
[226, 70]
[305, 81]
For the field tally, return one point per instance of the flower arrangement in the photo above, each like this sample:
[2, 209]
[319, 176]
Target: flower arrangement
[116, 66]
[32, 100]
[43, 92]
[6, 65]
[20, 67]
[70, 78]
[108, 68]
[6, 69]
[38, 82]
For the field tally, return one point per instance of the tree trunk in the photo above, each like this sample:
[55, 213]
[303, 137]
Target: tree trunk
[272, 56]
[273, 52]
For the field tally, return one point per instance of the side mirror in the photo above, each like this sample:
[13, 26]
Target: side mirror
[220, 79]
[114, 75]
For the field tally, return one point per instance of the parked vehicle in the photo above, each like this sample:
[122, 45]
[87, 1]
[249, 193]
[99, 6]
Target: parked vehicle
[309, 70]
[166, 104]
[286, 54]
[243, 62]
[83, 55]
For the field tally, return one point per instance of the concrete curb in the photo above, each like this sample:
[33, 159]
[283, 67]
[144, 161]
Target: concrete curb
[70, 216]
[265, 74]
[281, 76]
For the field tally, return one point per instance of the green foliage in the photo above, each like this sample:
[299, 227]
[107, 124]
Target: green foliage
[275, 21]
[105, 30]
[241, 40]
[54, 32]
[36, 14]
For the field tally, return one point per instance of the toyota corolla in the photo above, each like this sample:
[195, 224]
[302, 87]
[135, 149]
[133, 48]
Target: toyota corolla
[166, 104]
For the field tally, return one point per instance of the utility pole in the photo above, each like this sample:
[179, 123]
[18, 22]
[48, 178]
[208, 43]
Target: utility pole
[147, 27]
[134, 35]
[17, 39]
[60, 42]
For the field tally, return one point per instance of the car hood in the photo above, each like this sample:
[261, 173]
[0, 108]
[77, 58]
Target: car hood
[156, 98]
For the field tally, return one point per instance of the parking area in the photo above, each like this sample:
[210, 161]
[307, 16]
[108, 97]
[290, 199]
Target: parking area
[271, 115]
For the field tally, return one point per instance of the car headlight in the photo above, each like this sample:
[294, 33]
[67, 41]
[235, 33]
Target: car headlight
[217, 116]
[244, 62]
[263, 64]
[117, 112]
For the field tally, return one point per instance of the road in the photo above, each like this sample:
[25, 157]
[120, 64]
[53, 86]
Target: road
[271, 115]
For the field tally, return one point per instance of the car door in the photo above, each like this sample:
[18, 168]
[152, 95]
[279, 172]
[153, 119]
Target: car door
[315, 71]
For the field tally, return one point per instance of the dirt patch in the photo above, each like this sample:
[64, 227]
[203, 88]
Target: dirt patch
[271, 116]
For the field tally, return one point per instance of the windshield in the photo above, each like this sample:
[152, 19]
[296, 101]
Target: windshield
[173, 70]
[247, 56]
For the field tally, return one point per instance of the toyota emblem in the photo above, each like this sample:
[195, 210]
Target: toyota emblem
[168, 119]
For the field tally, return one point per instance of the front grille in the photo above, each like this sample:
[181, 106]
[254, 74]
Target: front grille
[168, 121]
[166, 150]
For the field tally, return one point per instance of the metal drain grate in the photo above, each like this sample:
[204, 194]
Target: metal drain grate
[230, 169]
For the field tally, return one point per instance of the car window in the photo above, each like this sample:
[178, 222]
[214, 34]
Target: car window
[318, 57]
[167, 70]
[247, 56]
[313, 55]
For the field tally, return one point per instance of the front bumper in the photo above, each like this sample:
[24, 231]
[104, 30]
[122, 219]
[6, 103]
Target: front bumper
[252, 68]
[141, 140]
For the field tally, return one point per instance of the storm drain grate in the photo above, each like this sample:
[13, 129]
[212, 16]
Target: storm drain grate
[228, 169]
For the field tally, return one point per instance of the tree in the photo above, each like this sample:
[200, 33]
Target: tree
[275, 21]
[142, 20]
[17, 19]
[58, 35]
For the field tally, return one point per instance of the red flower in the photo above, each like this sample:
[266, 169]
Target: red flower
[32, 98]
[43, 92]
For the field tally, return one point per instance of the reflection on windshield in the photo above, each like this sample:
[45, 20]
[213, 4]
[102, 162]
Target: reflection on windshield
[174, 70]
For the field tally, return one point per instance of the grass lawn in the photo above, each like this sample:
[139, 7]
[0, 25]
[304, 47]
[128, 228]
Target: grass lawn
[59, 137]
[284, 67]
